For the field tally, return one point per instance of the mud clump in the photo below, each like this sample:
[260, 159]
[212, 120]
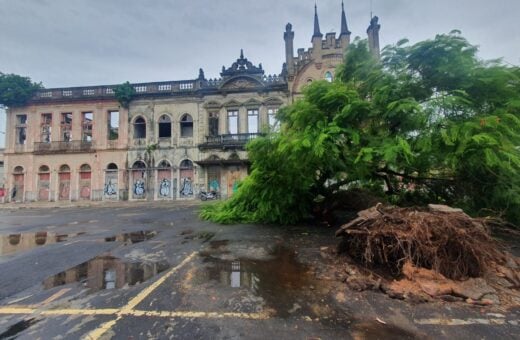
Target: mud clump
[435, 252]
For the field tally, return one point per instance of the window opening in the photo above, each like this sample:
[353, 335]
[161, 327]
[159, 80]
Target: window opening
[186, 126]
[252, 121]
[165, 127]
[233, 122]
[113, 125]
[139, 128]
[87, 124]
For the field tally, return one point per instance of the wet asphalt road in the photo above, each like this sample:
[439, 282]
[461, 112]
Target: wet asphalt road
[154, 271]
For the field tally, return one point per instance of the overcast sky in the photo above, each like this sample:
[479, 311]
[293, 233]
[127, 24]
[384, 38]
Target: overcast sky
[94, 42]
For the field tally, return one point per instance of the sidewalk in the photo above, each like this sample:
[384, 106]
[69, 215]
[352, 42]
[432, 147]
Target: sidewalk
[88, 204]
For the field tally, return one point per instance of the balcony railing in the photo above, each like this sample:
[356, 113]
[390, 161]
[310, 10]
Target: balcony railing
[75, 146]
[229, 141]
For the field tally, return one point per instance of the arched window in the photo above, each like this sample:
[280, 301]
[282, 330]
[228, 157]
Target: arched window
[164, 164]
[64, 168]
[112, 166]
[43, 169]
[18, 170]
[139, 128]
[328, 76]
[84, 168]
[186, 126]
[139, 165]
[186, 165]
[165, 127]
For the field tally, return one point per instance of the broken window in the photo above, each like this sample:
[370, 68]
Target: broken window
[87, 124]
[165, 127]
[213, 124]
[139, 128]
[232, 122]
[46, 126]
[186, 126]
[328, 76]
[273, 121]
[66, 126]
[252, 121]
[113, 125]
[21, 129]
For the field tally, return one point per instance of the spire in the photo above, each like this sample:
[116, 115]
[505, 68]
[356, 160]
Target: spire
[344, 26]
[317, 32]
[241, 54]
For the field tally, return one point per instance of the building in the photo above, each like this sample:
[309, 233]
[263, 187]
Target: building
[175, 139]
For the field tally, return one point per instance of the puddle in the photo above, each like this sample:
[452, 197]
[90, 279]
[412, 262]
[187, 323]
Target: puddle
[14, 243]
[281, 281]
[106, 272]
[133, 237]
[14, 330]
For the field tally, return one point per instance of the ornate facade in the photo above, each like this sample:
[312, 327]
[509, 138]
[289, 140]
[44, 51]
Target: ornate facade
[175, 139]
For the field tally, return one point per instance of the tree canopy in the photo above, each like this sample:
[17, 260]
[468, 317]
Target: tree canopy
[428, 123]
[124, 94]
[16, 90]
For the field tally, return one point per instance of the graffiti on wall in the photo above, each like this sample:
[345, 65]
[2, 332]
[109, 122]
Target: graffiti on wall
[186, 187]
[164, 188]
[110, 189]
[139, 188]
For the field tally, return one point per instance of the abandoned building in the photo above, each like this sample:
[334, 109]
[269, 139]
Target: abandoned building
[174, 139]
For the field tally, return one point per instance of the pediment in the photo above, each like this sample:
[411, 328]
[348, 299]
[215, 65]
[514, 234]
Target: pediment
[273, 101]
[232, 103]
[212, 105]
[252, 103]
[239, 83]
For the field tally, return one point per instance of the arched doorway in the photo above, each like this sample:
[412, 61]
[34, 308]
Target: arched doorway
[18, 184]
[139, 180]
[64, 183]
[186, 179]
[85, 176]
[111, 189]
[165, 187]
[44, 181]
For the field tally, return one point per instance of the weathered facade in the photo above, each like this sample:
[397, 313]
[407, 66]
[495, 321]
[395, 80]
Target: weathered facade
[175, 139]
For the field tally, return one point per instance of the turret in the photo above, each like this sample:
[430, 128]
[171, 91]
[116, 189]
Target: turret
[344, 36]
[316, 37]
[288, 36]
[373, 37]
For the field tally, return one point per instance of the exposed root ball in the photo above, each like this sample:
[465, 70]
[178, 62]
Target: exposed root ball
[439, 238]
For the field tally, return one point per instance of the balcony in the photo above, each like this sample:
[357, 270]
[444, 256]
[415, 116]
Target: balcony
[75, 146]
[228, 142]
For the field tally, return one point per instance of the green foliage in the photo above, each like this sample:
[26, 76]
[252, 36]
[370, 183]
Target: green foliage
[430, 123]
[124, 94]
[16, 90]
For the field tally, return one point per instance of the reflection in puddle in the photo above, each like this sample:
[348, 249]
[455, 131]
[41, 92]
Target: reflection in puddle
[133, 237]
[14, 330]
[280, 280]
[106, 272]
[14, 243]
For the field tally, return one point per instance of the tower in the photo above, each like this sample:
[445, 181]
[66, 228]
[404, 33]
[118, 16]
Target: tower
[373, 37]
[316, 37]
[288, 36]
[344, 36]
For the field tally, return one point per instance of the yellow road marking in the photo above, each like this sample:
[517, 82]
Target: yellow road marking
[128, 309]
[54, 296]
[148, 290]
[119, 312]
[97, 333]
